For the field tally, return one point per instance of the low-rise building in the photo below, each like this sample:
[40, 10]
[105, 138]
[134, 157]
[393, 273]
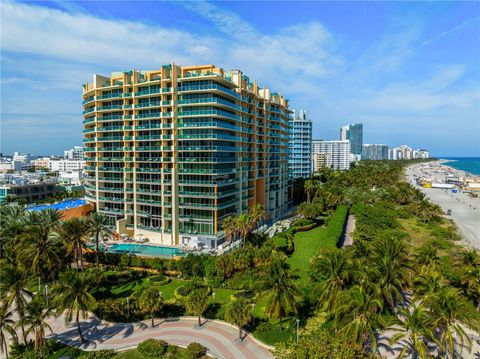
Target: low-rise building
[30, 192]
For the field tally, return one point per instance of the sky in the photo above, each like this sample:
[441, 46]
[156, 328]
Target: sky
[409, 71]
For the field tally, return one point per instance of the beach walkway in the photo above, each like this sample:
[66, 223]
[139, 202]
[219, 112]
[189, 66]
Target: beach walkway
[220, 338]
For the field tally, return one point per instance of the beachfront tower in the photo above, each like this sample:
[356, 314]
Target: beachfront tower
[300, 144]
[353, 133]
[173, 151]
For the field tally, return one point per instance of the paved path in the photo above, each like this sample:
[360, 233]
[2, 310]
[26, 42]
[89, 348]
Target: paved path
[348, 240]
[220, 338]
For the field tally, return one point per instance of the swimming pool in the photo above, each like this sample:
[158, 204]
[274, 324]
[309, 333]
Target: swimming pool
[144, 250]
[62, 206]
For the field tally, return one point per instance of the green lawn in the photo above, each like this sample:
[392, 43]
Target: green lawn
[307, 245]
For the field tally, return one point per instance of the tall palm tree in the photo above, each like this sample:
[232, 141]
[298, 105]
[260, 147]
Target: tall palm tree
[197, 303]
[311, 186]
[449, 311]
[14, 292]
[239, 313]
[151, 302]
[72, 297]
[429, 283]
[277, 284]
[39, 249]
[256, 214]
[413, 331]
[7, 325]
[99, 225]
[357, 314]
[243, 226]
[330, 271]
[36, 317]
[75, 232]
[229, 226]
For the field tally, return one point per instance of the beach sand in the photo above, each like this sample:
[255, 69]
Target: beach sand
[465, 209]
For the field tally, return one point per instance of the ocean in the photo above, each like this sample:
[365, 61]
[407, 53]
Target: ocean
[467, 164]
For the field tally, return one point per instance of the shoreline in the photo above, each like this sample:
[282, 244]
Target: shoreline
[445, 161]
[464, 208]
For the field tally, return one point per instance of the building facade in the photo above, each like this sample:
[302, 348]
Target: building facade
[332, 154]
[76, 153]
[300, 144]
[171, 152]
[375, 152]
[29, 192]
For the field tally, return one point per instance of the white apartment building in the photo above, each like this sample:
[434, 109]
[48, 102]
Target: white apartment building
[65, 165]
[76, 153]
[332, 154]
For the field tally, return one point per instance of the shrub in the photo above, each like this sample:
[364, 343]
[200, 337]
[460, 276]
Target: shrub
[153, 348]
[195, 350]
[245, 294]
[159, 280]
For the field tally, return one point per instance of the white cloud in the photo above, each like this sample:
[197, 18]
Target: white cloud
[47, 54]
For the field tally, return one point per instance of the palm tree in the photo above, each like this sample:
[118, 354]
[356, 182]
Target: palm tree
[74, 232]
[392, 269]
[428, 258]
[330, 270]
[469, 257]
[277, 284]
[357, 314]
[197, 302]
[429, 283]
[311, 186]
[256, 214]
[151, 302]
[413, 327]
[7, 325]
[14, 292]
[471, 282]
[10, 226]
[229, 226]
[243, 226]
[39, 250]
[99, 224]
[72, 296]
[448, 312]
[238, 313]
[36, 317]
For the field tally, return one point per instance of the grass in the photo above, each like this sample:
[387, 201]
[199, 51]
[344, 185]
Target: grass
[129, 354]
[307, 245]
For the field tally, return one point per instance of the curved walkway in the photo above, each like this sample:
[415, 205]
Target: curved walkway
[220, 338]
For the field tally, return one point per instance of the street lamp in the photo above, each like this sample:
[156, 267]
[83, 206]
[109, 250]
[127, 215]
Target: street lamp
[46, 294]
[298, 324]
[160, 295]
[213, 295]
[128, 307]
[253, 314]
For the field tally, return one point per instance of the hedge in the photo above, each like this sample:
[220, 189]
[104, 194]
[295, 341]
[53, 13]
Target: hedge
[336, 225]
[125, 260]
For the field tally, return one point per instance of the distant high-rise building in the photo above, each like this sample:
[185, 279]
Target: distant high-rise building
[375, 152]
[332, 154]
[353, 133]
[300, 144]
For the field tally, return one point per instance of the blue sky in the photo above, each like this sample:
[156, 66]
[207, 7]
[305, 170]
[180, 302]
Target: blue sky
[409, 71]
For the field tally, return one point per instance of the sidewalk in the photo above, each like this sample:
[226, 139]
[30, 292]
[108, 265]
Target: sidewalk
[221, 339]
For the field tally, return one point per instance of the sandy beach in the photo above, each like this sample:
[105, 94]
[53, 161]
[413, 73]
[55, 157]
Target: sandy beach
[465, 210]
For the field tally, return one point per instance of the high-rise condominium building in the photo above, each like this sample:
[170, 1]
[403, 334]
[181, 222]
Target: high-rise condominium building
[171, 152]
[353, 133]
[375, 152]
[300, 144]
[333, 154]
